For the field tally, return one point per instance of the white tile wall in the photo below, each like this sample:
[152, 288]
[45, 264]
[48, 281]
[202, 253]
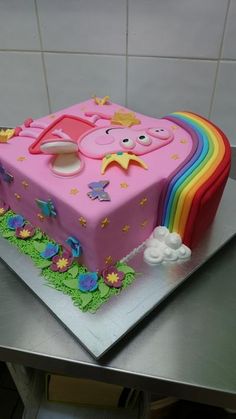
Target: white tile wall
[18, 25]
[224, 108]
[22, 88]
[229, 45]
[177, 28]
[83, 26]
[76, 77]
[154, 55]
[159, 86]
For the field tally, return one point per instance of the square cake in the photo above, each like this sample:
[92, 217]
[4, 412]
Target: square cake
[99, 177]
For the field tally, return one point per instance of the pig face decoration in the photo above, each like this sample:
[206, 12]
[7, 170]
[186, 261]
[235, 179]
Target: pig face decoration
[123, 145]
[119, 144]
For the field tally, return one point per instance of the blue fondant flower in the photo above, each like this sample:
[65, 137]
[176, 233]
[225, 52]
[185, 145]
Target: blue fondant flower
[15, 221]
[50, 251]
[88, 281]
[75, 246]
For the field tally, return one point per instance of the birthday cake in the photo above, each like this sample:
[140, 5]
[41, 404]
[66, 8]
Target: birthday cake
[90, 183]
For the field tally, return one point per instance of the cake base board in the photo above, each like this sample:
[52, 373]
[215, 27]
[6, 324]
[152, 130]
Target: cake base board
[100, 331]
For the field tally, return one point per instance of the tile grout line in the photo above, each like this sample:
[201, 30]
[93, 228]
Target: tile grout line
[42, 56]
[218, 62]
[115, 55]
[126, 52]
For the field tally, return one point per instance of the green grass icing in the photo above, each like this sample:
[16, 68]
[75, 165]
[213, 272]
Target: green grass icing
[65, 282]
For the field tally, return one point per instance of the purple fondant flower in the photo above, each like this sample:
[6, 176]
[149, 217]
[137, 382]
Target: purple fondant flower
[25, 232]
[49, 251]
[15, 221]
[113, 277]
[61, 263]
[3, 207]
[75, 246]
[88, 281]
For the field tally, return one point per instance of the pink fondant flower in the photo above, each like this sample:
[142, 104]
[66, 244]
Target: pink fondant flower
[61, 263]
[25, 232]
[113, 277]
[3, 207]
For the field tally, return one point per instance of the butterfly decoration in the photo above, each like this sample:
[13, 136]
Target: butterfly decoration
[101, 100]
[4, 175]
[47, 208]
[98, 190]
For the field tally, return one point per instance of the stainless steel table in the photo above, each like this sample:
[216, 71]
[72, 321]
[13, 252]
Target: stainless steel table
[185, 348]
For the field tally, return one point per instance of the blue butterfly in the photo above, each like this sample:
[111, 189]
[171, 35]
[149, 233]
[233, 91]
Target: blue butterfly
[98, 190]
[47, 207]
[4, 175]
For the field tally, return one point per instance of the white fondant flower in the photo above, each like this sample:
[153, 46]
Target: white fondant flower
[173, 240]
[152, 256]
[169, 254]
[160, 233]
[184, 252]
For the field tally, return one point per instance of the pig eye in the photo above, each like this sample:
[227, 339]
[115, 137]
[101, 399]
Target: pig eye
[144, 139]
[127, 143]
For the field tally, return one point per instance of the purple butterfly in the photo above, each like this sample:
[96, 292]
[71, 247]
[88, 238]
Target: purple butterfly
[4, 175]
[98, 190]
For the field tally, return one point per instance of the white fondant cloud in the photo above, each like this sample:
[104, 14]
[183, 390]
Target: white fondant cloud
[165, 246]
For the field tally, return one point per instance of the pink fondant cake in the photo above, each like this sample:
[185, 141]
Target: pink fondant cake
[107, 176]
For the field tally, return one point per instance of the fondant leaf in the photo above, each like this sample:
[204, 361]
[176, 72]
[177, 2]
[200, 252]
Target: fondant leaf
[8, 234]
[39, 246]
[86, 298]
[126, 269]
[38, 235]
[104, 289]
[43, 264]
[71, 283]
[74, 271]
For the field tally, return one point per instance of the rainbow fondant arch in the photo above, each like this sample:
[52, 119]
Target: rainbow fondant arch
[192, 193]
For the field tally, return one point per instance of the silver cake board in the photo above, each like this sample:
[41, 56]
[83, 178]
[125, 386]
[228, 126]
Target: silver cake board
[100, 331]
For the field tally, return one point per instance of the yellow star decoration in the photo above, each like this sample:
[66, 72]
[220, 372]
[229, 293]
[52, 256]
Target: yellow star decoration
[105, 222]
[144, 223]
[6, 134]
[175, 156]
[174, 127]
[83, 222]
[183, 141]
[126, 228]
[123, 159]
[25, 184]
[2, 211]
[17, 196]
[143, 202]
[74, 191]
[40, 217]
[21, 158]
[126, 119]
[101, 100]
[124, 185]
[108, 260]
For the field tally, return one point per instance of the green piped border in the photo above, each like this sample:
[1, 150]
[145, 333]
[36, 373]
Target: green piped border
[85, 301]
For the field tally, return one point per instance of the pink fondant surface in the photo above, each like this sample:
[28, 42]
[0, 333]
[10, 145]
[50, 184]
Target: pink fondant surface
[132, 211]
